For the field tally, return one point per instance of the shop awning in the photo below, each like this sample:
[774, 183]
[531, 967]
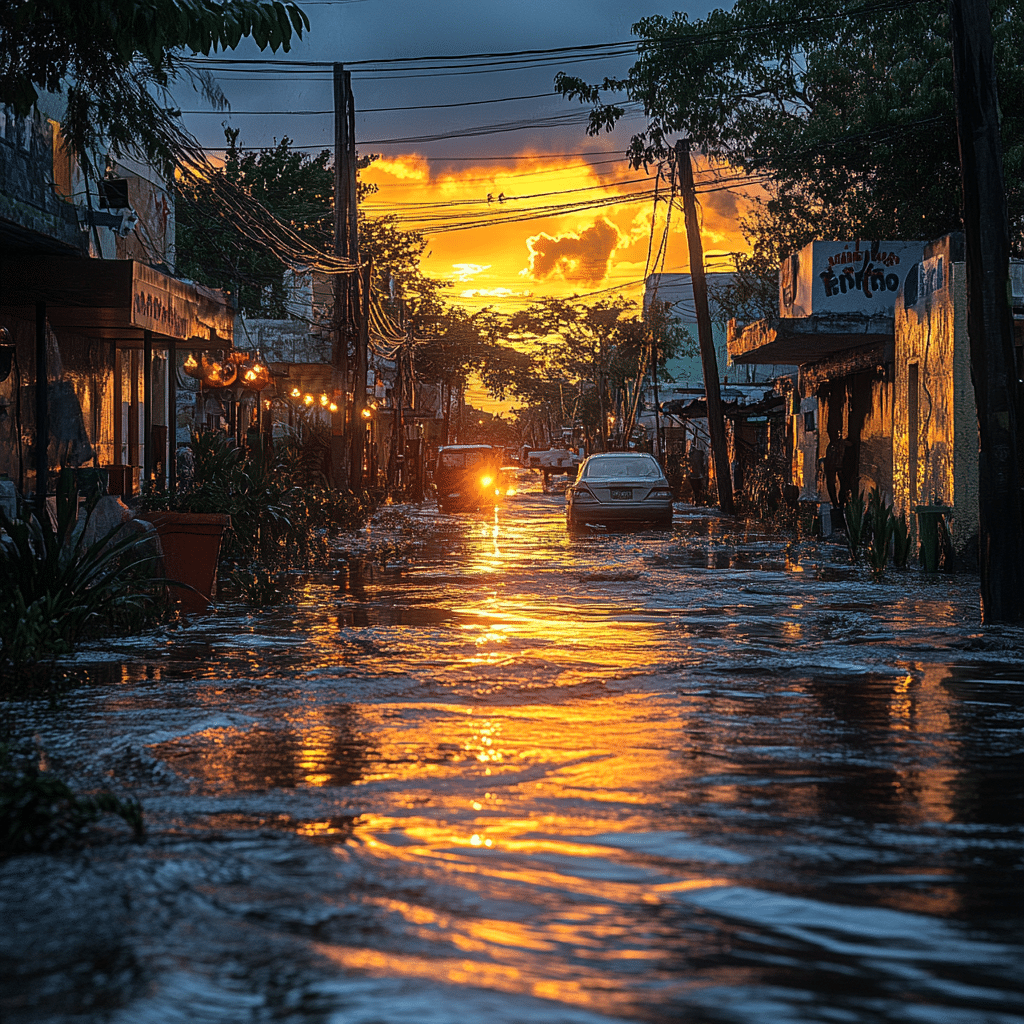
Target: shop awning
[806, 339]
[117, 301]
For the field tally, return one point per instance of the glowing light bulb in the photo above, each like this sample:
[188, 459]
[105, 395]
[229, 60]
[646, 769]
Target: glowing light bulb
[308, 400]
[333, 406]
[296, 392]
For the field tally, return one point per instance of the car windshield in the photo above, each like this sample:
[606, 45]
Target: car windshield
[636, 466]
[460, 460]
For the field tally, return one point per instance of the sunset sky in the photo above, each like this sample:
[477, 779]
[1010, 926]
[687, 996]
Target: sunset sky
[478, 153]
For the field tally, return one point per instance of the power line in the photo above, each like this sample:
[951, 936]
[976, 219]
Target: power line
[569, 118]
[506, 199]
[383, 110]
[616, 48]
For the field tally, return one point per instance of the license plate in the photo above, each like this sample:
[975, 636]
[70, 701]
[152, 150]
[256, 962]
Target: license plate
[622, 492]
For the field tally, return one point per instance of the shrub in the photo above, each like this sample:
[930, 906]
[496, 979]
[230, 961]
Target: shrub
[56, 586]
[881, 525]
[282, 513]
[855, 524]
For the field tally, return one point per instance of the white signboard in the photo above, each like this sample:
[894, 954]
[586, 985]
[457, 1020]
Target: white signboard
[846, 277]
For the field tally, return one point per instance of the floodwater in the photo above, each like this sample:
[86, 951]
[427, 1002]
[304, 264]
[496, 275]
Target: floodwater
[493, 774]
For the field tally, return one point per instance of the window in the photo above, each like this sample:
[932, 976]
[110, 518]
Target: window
[642, 466]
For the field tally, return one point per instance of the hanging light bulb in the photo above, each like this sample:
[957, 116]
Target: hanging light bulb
[296, 393]
[308, 400]
[219, 374]
[324, 400]
[191, 367]
[333, 407]
[256, 376]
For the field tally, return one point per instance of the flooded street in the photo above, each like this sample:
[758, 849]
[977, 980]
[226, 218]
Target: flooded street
[493, 774]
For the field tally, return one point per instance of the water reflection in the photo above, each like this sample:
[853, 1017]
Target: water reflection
[529, 777]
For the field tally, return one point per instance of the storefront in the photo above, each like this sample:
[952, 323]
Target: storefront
[94, 368]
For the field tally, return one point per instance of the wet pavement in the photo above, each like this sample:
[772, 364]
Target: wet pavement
[489, 773]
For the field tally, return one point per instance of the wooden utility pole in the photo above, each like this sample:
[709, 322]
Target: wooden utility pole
[708, 359]
[659, 452]
[346, 245]
[359, 421]
[989, 316]
[42, 411]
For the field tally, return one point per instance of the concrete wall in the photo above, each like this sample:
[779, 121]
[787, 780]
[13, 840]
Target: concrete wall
[935, 442]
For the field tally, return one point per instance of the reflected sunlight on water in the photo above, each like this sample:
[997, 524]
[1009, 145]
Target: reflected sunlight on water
[528, 777]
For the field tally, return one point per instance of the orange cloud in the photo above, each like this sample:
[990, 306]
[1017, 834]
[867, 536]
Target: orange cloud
[581, 257]
[411, 167]
[509, 232]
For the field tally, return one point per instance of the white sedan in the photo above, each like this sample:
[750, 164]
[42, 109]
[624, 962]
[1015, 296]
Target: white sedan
[619, 489]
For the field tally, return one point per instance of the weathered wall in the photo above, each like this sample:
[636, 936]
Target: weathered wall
[875, 448]
[284, 341]
[935, 443]
[28, 202]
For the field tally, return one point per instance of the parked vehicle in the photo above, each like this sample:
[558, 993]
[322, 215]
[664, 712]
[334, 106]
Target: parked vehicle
[552, 462]
[468, 476]
[619, 489]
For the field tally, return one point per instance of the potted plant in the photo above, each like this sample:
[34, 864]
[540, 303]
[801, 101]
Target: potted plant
[191, 523]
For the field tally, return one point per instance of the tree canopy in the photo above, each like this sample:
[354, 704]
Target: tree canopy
[113, 61]
[845, 114]
[215, 249]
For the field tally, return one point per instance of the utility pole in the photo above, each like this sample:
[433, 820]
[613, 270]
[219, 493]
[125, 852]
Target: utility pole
[346, 245]
[712, 387]
[359, 384]
[989, 316]
[42, 411]
[659, 448]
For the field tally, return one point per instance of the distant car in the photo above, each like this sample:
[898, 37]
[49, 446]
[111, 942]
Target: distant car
[619, 489]
[468, 476]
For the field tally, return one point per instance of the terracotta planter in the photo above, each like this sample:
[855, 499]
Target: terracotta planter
[191, 546]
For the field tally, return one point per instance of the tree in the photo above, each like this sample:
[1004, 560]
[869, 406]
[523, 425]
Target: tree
[113, 61]
[456, 345]
[845, 117]
[576, 343]
[215, 249]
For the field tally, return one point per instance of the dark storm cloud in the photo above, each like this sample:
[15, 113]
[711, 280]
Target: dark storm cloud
[581, 258]
[375, 29]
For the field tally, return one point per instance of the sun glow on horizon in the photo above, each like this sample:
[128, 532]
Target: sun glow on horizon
[538, 228]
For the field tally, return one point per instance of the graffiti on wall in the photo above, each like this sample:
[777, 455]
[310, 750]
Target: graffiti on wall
[861, 270]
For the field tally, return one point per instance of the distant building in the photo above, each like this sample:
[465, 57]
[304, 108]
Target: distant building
[747, 390]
